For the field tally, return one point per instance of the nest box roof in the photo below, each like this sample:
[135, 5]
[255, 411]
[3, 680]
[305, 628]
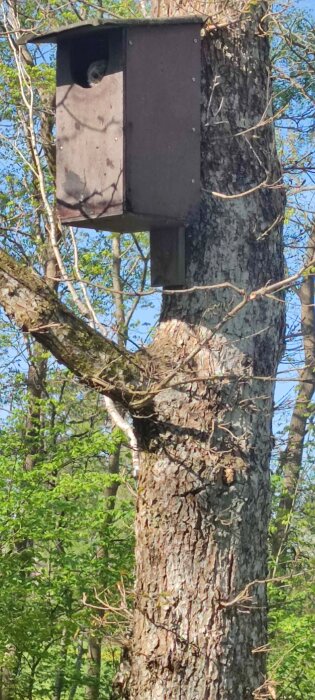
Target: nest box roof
[83, 28]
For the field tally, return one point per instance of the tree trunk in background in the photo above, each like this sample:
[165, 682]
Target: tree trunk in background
[292, 457]
[8, 674]
[94, 668]
[203, 503]
[110, 492]
[77, 677]
[94, 662]
[61, 667]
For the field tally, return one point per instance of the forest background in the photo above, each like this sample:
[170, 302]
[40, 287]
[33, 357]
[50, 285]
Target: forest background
[67, 489]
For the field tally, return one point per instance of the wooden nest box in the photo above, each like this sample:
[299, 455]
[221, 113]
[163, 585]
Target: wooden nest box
[128, 131]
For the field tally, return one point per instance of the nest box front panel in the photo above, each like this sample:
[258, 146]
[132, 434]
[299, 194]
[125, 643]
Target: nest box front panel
[163, 65]
[89, 144]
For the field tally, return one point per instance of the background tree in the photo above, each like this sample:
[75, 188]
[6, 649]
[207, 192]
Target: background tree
[291, 609]
[50, 584]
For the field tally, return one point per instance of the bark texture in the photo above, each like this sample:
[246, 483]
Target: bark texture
[205, 430]
[203, 503]
[37, 310]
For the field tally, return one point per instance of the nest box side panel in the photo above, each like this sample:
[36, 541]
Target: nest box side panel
[167, 250]
[163, 121]
[89, 144]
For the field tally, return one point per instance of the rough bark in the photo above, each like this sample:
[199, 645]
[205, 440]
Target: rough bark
[95, 360]
[203, 503]
[203, 500]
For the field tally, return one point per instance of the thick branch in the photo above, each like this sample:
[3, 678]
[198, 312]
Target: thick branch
[36, 309]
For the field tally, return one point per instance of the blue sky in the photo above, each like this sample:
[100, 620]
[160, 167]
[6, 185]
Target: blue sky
[308, 4]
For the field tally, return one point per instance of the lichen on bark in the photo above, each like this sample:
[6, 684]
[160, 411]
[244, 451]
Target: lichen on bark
[37, 310]
[201, 395]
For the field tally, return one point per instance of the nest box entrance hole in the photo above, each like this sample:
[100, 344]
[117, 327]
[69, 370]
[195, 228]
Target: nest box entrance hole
[95, 55]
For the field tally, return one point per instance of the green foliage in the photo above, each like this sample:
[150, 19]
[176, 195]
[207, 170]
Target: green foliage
[292, 598]
[62, 539]
[66, 523]
[292, 660]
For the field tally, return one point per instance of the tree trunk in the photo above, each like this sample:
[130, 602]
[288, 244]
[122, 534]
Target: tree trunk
[8, 673]
[110, 492]
[62, 661]
[95, 642]
[202, 394]
[31, 680]
[94, 669]
[291, 458]
[203, 503]
[77, 673]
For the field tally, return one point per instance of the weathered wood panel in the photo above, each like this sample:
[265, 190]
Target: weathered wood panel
[90, 149]
[163, 120]
[167, 248]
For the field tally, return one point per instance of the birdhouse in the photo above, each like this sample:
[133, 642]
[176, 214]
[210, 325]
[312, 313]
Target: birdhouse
[128, 127]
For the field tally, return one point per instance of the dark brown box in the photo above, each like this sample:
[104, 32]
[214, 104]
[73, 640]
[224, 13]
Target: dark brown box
[128, 148]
